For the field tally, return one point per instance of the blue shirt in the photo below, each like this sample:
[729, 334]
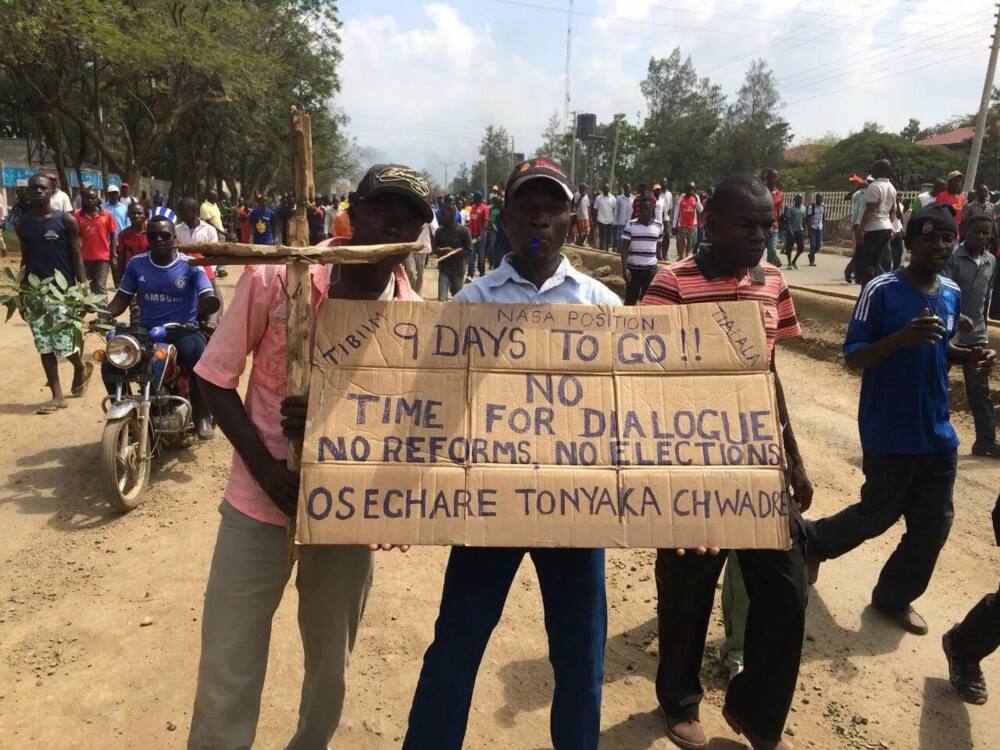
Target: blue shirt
[167, 294]
[458, 216]
[262, 226]
[904, 398]
[566, 286]
[120, 211]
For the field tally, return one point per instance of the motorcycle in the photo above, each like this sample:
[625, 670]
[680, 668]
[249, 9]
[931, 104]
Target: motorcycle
[141, 421]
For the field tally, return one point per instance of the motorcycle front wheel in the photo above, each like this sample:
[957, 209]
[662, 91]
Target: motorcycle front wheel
[123, 475]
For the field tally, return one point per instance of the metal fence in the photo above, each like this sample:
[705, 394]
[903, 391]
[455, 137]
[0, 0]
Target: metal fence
[838, 204]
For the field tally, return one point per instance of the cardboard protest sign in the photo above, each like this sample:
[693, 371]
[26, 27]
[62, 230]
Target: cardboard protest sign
[542, 425]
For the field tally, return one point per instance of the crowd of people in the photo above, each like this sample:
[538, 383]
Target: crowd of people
[908, 326]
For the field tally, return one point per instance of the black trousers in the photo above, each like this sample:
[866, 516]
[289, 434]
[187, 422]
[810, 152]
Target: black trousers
[897, 251]
[978, 635]
[606, 235]
[868, 257]
[637, 284]
[760, 696]
[915, 487]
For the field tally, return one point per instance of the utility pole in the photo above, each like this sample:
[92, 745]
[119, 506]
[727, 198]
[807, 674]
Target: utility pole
[614, 152]
[984, 106]
[445, 165]
[569, 57]
[572, 153]
[486, 170]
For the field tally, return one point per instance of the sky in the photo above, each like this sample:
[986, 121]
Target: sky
[420, 81]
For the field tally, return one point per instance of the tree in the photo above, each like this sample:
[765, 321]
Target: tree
[754, 134]
[677, 137]
[496, 160]
[462, 181]
[202, 90]
[912, 130]
[911, 164]
[555, 142]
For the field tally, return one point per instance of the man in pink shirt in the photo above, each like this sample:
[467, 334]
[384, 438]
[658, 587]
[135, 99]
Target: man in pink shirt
[250, 565]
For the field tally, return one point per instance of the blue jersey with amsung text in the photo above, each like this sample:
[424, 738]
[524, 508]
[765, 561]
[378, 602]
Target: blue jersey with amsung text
[166, 294]
[904, 399]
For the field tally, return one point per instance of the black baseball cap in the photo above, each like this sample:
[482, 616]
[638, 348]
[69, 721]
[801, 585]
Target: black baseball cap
[397, 179]
[537, 169]
[936, 217]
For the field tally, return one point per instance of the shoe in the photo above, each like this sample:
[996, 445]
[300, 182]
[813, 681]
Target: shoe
[685, 733]
[907, 619]
[205, 429]
[733, 663]
[795, 267]
[966, 677]
[756, 743]
[986, 449]
[221, 273]
[812, 569]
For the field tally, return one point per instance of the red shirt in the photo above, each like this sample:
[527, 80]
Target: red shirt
[132, 243]
[95, 234]
[957, 202]
[479, 217]
[778, 198]
[687, 211]
[697, 279]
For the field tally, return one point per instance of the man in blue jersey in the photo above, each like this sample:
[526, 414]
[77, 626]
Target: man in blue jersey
[263, 222]
[169, 291]
[900, 336]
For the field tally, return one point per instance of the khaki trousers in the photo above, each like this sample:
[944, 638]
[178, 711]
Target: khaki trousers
[685, 242]
[250, 569]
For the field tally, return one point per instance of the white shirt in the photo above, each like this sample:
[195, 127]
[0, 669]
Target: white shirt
[642, 239]
[566, 286]
[583, 207]
[668, 202]
[623, 210]
[60, 201]
[202, 233]
[605, 205]
[883, 195]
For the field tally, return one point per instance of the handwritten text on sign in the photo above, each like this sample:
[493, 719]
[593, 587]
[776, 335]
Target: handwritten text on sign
[548, 425]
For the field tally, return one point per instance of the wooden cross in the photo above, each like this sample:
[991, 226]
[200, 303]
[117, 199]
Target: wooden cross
[297, 258]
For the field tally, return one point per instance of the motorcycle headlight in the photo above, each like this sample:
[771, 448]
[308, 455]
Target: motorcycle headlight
[123, 351]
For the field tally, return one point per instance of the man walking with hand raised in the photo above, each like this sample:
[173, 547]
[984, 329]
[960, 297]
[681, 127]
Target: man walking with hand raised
[899, 337]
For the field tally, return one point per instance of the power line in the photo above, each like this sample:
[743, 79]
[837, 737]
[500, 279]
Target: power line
[955, 35]
[839, 71]
[646, 22]
[907, 71]
[684, 10]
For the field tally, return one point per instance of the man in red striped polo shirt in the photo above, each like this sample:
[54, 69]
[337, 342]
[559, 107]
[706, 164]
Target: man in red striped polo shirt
[738, 223]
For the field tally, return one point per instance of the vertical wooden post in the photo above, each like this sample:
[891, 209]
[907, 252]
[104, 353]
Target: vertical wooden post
[298, 285]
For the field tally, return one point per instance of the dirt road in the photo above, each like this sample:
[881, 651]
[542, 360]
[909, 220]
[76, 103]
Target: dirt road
[100, 613]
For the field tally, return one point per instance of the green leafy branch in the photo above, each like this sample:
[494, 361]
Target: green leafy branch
[62, 308]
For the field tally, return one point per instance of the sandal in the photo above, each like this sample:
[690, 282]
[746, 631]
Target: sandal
[88, 370]
[51, 408]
